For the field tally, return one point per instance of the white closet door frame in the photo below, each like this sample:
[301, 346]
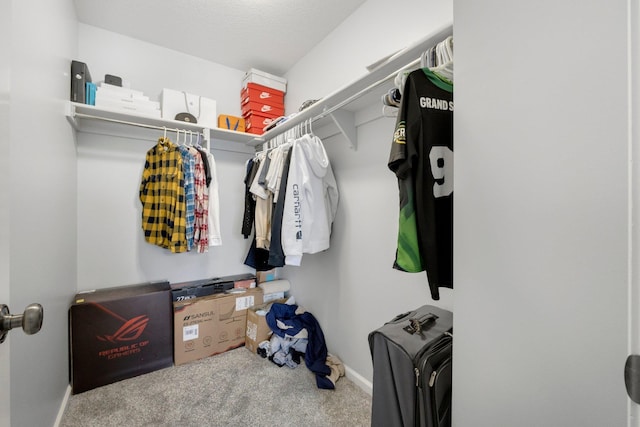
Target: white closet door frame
[634, 192]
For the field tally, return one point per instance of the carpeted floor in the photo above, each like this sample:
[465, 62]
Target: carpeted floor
[236, 388]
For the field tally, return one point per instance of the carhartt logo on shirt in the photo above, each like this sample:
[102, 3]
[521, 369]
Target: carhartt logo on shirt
[297, 211]
[436, 104]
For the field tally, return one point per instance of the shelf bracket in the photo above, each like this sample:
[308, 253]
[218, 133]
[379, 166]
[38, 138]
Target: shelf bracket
[206, 135]
[345, 121]
[71, 115]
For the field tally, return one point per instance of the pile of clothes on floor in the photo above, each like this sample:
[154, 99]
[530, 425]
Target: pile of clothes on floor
[296, 336]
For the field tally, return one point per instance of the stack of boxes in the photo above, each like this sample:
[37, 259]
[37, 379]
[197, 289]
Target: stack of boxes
[257, 328]
[121, 332]
[128, 100]
[262, 99]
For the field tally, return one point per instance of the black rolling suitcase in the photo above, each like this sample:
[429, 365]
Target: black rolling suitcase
[412, 369]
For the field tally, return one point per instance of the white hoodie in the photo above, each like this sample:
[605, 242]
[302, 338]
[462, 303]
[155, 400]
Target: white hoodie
[311, 200]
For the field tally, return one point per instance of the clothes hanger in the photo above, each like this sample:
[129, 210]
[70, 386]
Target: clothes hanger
[163, 140]
[444, 70]
[424, 62]
[389, 111]
[445, 50]
[392, 98]
[199, 142]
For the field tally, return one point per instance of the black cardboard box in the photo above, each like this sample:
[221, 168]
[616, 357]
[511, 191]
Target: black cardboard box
[205, 287]
[118, 333]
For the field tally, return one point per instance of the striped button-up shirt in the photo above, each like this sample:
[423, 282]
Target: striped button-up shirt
[188, 166]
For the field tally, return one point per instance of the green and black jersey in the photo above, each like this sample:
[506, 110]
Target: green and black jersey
[422, 159]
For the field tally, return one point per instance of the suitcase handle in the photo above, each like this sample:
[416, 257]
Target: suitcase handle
[418, 324]
[399, 316]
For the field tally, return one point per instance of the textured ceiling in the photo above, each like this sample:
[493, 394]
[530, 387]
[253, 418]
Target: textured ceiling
[271, 35]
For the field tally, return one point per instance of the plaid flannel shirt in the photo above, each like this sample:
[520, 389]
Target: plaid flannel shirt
[163, 198]
[201, 225]
[188, 166]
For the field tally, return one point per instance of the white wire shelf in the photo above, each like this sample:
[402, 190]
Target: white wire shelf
[103, 121]
[338, 108]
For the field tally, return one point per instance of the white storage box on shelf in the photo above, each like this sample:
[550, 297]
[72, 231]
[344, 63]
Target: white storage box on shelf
[203, 109]
[264, 79]
[119, 92]
[132, 101]
[132, 107]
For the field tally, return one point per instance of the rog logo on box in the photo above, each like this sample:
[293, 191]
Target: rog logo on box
[130, 330]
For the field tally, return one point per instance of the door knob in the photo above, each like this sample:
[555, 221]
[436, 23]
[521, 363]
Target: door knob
[30, 320]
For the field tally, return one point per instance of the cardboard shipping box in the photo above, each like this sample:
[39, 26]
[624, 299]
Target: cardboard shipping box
[257, 328]
[266, 276]
[211, 325]
[118, 333]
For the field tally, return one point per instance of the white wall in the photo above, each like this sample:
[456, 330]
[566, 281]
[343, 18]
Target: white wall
[111, 246]
[376, 29]
[541, 214]
[42, 197]
[150, 68]
[352, 289]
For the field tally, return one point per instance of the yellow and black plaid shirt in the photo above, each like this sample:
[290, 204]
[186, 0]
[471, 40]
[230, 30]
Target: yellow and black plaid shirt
[163, 198]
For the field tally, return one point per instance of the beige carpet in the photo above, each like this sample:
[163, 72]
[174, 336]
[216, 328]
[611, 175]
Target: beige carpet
[237, 388]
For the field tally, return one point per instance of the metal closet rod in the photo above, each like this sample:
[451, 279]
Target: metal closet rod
[296, 120]
[142, 125]
[405, 58]
[362, 92]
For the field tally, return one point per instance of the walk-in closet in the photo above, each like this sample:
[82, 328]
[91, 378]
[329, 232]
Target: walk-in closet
[545, 284]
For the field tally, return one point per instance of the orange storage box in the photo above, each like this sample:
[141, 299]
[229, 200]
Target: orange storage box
[264, 109]
[231, 122]
[263, 94]
[257, 121]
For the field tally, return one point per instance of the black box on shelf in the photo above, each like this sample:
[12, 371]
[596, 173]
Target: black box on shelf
[80, 76]
[205, 287]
